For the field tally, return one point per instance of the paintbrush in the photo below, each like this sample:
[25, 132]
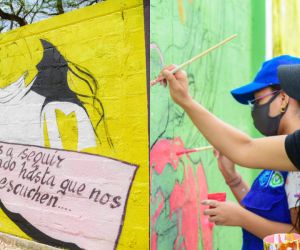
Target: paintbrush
[192, 150]
[159, 79]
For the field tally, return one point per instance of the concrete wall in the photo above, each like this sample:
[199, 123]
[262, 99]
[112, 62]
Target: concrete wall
[74, 129]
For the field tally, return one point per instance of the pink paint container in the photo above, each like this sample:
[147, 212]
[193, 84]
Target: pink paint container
[217, 197]
[282, 242]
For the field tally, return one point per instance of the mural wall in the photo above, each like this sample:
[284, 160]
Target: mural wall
[74, 129]
[179, 30]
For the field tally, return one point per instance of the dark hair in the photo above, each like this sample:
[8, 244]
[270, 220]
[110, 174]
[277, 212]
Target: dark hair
[51, 82]
[296, 224]
[275, 87]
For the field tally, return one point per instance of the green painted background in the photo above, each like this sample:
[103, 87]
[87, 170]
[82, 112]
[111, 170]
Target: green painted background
[207, 22]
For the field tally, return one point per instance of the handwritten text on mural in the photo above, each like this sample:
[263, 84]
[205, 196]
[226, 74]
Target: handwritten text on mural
[86, 187]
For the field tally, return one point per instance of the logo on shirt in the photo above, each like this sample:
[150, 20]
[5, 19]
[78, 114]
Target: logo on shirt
[277, 180]
[265, 177]
[271, 178]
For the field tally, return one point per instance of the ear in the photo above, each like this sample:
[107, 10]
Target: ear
[284, 99]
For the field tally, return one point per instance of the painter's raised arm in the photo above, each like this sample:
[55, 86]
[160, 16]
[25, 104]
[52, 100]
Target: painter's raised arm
[267, 153]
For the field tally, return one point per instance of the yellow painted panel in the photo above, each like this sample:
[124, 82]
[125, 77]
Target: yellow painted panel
[286, 27]
[107, 41]
[67, 127]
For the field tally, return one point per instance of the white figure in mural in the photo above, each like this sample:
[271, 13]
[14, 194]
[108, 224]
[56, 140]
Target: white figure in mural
[25, 109]
[22, 113]
[28, 115]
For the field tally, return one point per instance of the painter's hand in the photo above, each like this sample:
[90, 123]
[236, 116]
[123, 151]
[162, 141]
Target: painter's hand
[178, 84]
[225, 213]
[226, 166]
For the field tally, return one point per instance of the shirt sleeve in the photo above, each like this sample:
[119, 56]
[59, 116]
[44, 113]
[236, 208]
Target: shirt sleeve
[292, 189]
[292, 148]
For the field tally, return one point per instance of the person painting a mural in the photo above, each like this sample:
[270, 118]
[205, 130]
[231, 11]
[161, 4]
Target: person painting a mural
[273, 195]
[276, 152]
[267, 153]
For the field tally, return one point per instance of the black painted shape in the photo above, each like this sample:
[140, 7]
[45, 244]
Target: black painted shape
[34, 233]
[51, 80]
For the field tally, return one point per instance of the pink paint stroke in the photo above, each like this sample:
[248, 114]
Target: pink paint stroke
[185, 198]
[164, 152]
[207, 229]
[154, 218]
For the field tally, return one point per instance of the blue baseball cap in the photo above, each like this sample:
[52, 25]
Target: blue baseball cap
[266, 76]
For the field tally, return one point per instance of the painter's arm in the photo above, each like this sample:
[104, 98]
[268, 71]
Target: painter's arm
[233, 179]
[267, 153]
[232, 214]
[239, 191]
[262, 227]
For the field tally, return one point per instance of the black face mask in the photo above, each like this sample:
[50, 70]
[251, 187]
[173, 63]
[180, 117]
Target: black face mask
[262, 121]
